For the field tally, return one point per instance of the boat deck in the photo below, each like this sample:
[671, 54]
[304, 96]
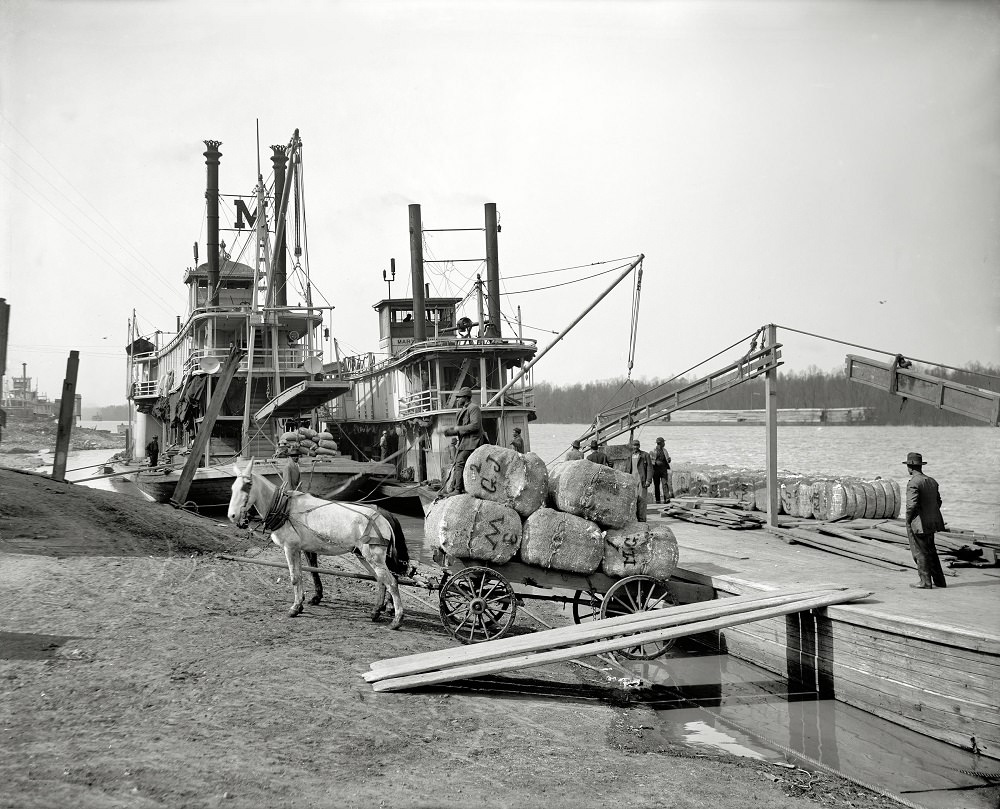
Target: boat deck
[925, 659]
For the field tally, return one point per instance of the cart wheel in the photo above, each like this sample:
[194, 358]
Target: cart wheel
[638, 594]
[477, 604]
[586, 606]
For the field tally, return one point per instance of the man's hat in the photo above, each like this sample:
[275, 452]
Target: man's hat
[635, 442]
[593, 443]
[517, 429]
[914, 459]
[467, 392]
[659, 440]
[576, 443]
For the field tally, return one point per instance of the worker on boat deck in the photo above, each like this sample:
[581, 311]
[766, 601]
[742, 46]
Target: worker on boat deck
[153, 450]
[597, 455]
[923, 519]
[469, 429]
[640, 468]
[575, 454]
[661, 471]
[517, 443]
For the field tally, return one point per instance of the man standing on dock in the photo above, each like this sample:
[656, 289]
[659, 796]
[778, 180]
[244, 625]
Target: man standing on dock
[153, 450]
[469, 429]
[923, 519]
[575, 454]
[597, 455]
[641, 469]
[517, 443]
[661, 471]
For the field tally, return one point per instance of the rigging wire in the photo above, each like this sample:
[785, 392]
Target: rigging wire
[889, 353]
[576, 267]
[565, 283]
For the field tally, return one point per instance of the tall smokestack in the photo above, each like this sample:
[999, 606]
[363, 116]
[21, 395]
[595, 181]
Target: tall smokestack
[279, 160]
[492, 270]
[212, 155]
[417, 274]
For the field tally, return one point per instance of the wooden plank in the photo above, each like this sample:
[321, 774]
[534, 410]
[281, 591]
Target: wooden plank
[592, 630]
[205, 431]
[946, 634]
[67, 406]
[793, 535]
[559, 655]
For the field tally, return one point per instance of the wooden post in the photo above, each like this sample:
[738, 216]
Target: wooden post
[66, 407]
[205, 432]
[771, 423]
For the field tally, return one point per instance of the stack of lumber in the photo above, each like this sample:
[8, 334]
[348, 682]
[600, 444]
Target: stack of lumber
[712, 512]
[597, 637]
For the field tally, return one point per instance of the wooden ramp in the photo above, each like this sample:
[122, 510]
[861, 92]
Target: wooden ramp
[598, 637]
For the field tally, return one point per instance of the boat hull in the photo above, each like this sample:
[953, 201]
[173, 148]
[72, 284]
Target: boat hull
[211, 488]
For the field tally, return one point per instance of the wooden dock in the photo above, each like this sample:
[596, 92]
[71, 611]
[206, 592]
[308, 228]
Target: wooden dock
[928, 660]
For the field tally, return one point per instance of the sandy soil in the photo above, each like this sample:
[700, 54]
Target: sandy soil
[138, 669]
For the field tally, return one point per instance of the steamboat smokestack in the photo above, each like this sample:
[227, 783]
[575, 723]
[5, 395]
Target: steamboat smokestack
[279, 159]
[212, 155]
[492, 271]
[417, 274]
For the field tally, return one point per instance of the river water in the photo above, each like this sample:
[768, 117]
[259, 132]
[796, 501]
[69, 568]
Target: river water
[965, 461]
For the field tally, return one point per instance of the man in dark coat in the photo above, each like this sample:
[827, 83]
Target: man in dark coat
[517, 443]
[469, 429]
[575, 454]
[661, 470]
[597, 455]
[640, 467]
[153, 450]
[923, 519]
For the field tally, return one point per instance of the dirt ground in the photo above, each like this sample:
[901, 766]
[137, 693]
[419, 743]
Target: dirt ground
[138, 669]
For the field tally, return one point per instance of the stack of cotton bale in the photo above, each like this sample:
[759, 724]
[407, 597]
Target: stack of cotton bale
[290, 440]
[325, 445]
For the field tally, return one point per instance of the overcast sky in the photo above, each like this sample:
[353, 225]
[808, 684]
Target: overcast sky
[831, 167]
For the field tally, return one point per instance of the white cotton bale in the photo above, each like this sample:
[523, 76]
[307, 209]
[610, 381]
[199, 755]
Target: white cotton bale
[879, 498]
[505, 476]
[897, 499]
[326, 452]
[466, 527]
[289, 436]
[829, 500]
[554, 539]
[681, 481]
[787, 493]
[307, 443]
[307, 432]
[640, 548]
[328, 443]
[857, 496]
[803, 499]
[593, 491]
[325, 436]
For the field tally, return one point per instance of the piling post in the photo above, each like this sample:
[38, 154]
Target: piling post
[67, 405]
[771, 426]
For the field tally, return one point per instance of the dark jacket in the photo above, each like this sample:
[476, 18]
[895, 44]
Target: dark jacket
[598, 456]
[469, 427]
[923, 505]
[661, 458]
[645, 467]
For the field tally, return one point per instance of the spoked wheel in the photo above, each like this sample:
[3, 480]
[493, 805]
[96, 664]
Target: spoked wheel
[638, 594]
[477, 604]
[586, 606]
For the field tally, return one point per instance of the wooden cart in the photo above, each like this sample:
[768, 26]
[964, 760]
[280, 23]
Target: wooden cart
[478, 600]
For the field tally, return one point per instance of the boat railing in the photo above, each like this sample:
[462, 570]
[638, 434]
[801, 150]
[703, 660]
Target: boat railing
[425, 401]
[369, 363]
[289, 359]
[145, 387]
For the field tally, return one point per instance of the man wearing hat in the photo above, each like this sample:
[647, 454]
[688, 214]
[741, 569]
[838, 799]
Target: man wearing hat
[640, 468]
[469, 429]
[575, 454]
[517, 443]
[923, 518]
[661, 470]
[597, 455]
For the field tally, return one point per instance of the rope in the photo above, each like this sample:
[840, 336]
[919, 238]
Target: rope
[889, 353]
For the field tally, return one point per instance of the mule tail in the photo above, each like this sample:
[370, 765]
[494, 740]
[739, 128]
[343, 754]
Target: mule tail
[398, 557]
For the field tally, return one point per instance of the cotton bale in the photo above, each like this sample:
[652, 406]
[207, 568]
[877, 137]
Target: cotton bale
[555, 539]
[879, 498]
[640, 548]
[829, 500]
[505, 476]
[897, 498]
[787, 493]
[466, 527]
[871, 502]
[328, 443]
[593, 491]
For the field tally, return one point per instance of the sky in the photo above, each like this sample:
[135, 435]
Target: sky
[831, 167]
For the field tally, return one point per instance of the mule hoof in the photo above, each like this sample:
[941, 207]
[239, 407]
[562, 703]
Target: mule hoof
[396, 622]
[315, 600]
[294, 611]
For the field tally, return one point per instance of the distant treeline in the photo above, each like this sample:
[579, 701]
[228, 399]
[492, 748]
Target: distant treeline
[106, 413]
[578, 404]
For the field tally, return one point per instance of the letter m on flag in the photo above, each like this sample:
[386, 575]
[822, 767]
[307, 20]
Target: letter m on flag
[243, 211]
